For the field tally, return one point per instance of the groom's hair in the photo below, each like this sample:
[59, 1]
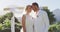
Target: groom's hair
[35, 4]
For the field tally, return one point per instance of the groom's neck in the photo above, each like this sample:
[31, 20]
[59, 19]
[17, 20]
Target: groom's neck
[36, 10]
[27, 13]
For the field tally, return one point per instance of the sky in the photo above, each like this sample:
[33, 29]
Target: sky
[52, 4]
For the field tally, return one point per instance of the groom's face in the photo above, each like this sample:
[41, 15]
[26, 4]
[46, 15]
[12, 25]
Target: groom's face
[34, 7]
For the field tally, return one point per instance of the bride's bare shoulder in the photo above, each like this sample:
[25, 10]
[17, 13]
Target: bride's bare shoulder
[24, 16]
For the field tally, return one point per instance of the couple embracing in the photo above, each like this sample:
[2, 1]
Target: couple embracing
[38, 24]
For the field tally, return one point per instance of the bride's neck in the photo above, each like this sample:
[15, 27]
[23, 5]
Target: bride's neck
[27, 13]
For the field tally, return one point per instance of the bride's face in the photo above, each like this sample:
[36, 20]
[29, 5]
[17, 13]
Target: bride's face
[29, 9]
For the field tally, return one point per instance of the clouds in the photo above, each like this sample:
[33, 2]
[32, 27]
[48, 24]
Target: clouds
[5, 3]
[22, 3]
[14, 3]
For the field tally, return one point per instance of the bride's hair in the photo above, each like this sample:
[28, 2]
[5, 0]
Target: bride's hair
[27, 7]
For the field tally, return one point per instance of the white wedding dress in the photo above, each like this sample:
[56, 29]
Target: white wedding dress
[29, 24]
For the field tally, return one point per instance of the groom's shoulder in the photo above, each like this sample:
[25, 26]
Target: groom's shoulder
[43, 12]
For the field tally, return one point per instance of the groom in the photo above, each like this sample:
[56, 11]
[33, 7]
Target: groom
[41, 22]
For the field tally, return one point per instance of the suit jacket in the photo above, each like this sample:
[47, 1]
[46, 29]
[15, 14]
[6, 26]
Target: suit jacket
[41, 22]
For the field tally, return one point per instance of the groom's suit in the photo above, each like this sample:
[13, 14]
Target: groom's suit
[41, 22]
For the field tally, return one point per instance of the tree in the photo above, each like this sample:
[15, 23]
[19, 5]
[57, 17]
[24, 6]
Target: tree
[50, 15]
[55, 27]
[5, 23]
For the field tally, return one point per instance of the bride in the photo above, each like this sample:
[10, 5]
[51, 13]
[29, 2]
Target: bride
[27, 22]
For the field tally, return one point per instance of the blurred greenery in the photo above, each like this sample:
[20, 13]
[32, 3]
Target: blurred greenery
[17, 24]
[55, 27]
[8, 15]
[5, 23]
[1, 26]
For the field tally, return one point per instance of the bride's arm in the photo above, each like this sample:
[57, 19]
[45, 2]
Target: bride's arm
[23, 23]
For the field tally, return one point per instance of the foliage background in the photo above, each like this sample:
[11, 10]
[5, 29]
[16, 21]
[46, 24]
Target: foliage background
[5, 23]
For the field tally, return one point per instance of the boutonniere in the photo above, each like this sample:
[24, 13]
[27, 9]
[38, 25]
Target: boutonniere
[32, 17]
[37, 16]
